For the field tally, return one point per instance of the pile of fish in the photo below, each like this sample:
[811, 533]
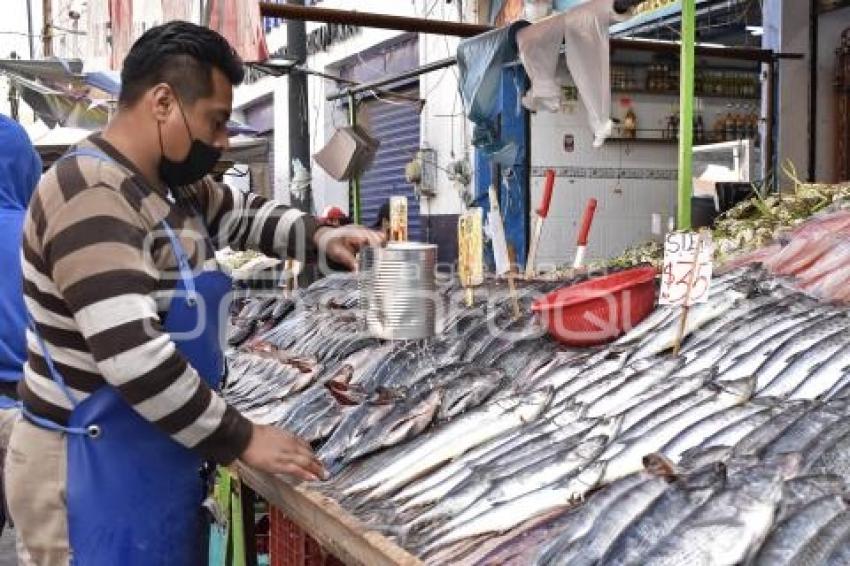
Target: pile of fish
[814, 255]
[492, 445]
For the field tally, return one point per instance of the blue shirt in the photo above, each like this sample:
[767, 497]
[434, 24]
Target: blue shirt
[20, 170]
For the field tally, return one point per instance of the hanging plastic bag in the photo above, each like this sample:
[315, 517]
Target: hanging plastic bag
[584, 28]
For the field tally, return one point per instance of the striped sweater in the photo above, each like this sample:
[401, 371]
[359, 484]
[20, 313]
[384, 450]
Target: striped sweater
[96, 267]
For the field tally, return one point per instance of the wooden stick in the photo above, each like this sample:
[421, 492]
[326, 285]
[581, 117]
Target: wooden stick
[686, 308]
[511, 285]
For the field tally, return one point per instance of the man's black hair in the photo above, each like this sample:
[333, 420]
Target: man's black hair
[181, 54]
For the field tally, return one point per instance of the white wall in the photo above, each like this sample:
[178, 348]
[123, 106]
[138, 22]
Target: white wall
[625, 205]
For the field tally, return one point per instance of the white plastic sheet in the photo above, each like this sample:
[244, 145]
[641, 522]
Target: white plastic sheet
[584, 29]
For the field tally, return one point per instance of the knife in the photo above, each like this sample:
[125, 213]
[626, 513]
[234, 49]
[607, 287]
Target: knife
[542, 213]
[497, 227]
[581, 243]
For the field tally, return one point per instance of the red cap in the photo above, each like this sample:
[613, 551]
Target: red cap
[333, 213]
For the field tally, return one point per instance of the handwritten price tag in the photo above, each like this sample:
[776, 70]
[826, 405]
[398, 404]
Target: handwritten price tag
[683, 269]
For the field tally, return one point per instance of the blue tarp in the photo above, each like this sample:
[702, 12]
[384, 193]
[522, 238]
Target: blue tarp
[480, 60]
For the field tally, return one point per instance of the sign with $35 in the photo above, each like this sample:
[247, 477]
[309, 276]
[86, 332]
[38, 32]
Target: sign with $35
[686, 275]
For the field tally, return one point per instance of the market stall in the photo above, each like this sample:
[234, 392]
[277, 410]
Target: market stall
[491, 443]
[711, 433]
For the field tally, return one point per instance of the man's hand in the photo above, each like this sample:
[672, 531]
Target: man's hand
[340, 244]
[278, 452]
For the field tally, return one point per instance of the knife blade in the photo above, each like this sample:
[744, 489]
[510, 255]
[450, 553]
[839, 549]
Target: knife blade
[497, 227]
[542, 213]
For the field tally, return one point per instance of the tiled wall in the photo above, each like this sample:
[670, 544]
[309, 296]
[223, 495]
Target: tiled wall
[631, 182]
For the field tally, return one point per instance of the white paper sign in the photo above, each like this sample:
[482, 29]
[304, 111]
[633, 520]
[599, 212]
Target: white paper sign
[683, 270]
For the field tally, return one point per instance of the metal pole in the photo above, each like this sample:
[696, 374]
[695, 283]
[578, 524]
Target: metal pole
[366, 19]
[686, 122]
[47, 35]
[458, 29]
[813, 89]
[770, 128]
[354, 184]
[299, 123]
[30, 30]
[436, 65]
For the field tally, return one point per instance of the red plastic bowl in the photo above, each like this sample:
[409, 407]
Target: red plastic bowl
[599, 310]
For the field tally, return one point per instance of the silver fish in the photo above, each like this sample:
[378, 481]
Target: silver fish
[790, 536]
[627, 457]
[659, 519]
[456, 438]
[820, 546]
[583, 517]
[723, 530]
[507, 515]
[590, 548]
[698, 432]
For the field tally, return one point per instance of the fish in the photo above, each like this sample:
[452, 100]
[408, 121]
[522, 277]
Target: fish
[457, 437]
[507, 515]
[402, 422]
[616, 398]
[626, 457]
[760, 437]
[610, 523]
[698, 432]
[675, 503]
[791, 534]
[745, 358]
[825, 376]
[566, 423]
[725, 529]
[468, 391]
[831, 435]
[788, 366]
[731, 434]
[648, 403]
[664, 339]
[804, 430]
[818, 548]
[525, 477]
[833, 460]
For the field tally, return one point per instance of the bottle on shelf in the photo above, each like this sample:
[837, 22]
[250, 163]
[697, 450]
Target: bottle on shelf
[630, 124]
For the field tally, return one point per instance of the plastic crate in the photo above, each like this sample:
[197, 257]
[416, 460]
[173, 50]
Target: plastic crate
[289, 545]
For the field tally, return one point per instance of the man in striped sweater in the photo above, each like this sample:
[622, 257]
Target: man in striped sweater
[98, 270]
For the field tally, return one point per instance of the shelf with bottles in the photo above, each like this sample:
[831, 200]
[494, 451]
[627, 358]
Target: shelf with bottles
[662, 78]
[739, 121]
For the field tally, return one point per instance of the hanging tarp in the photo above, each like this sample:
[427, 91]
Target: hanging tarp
[51, 70]
[121, 17]
[480, 60]
[241, 24]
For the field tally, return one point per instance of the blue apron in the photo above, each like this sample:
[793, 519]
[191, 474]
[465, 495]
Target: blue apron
[134, 494]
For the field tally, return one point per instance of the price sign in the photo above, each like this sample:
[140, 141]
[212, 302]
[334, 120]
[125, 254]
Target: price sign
[686, 276]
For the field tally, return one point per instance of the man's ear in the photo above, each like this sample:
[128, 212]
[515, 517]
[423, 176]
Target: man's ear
[161, 100]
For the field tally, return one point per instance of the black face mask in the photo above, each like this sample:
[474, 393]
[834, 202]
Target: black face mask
[199, 162]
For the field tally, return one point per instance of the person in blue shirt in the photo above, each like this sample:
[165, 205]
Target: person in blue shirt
[20, 170]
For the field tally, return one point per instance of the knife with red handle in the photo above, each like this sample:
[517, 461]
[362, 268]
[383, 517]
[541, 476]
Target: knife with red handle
[584, 231]
[542, 212]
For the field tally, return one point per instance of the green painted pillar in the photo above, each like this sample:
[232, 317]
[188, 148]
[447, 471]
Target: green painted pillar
[686, 114]
[354, 184]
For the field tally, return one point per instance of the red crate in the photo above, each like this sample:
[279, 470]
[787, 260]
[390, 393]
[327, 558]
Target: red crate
[289, 545]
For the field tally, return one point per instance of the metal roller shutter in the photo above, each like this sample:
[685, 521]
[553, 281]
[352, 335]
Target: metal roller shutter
[397, 127]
